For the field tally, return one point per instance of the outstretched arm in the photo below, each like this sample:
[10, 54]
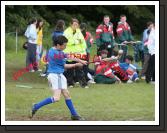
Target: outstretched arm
[78, 60]
[69, 66]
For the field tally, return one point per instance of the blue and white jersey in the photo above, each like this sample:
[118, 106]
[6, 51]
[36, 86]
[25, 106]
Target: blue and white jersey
[57, 60]
[129, 68]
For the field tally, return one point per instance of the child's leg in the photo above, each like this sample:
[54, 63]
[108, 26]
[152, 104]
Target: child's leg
[135, 76]
[53, 80]
[69, 103]
[49, 100]
[66, 95]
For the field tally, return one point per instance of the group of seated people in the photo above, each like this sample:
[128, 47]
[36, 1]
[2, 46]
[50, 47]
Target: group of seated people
[110, 70]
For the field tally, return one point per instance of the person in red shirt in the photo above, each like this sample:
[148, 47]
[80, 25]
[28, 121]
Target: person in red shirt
[104, 73]
[105, 36]
[124, 35]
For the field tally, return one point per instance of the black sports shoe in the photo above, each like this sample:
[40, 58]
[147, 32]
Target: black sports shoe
[77, 117]
[33, 111]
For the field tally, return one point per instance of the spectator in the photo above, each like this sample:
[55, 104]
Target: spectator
[105, 36]
[31, 35]
[89, 42]
[129, 68]
[76, 46]
[150, 73]
[104, 74]
[146, 53]
[59, 30]
[124, 35]
[39, 28]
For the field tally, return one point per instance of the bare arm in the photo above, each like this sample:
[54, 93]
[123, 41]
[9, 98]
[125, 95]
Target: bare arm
[110, 59]
[69, 66]
[77, 60]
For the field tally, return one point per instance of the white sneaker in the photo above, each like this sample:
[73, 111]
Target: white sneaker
[39, 70]
[42, 74]
[129, 81]
[143, 77]
[77, 83]
[32, 71]
[91, 81]
[71, 86]
[86, 87]
[137, 79]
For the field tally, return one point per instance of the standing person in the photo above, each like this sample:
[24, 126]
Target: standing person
[76, 46]
[89, 42]
[146, 53]
[124, 35]
[150, 73]
[31, 35]
[56, 79]
[105, 36]
[88, 38]
[39, 28]
[59, 30]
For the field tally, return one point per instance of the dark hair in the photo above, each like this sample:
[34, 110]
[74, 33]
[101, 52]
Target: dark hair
[60, 25]
[129, 57]
[83, 26]
[60, 40]
[115, 53]
[38, 22]
[104, 51]
[32, 21]
[122, 15]
[149, 23]
[74, 20]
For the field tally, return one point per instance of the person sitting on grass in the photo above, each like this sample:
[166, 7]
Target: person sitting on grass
[130, 69]
[104, 73]
[115, 67]
[57, 81]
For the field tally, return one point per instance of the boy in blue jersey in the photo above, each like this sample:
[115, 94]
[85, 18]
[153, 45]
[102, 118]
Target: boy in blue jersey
[57, 81]
[129, 68]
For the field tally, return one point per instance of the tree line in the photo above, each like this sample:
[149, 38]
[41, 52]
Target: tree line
[18, 16]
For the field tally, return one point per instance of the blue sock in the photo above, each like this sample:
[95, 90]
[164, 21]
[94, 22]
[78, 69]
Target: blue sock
[71, 107]
[44, 102]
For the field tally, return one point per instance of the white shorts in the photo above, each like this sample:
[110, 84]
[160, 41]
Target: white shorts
[57, 81]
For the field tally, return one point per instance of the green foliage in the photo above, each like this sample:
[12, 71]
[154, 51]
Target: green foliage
[18, 16]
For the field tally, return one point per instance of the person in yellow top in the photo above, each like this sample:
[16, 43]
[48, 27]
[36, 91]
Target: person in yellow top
[39, 28]
[76, 47]
[76, 42]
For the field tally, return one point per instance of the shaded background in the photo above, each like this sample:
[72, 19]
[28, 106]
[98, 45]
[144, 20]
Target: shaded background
[18, 16]
[137, 16]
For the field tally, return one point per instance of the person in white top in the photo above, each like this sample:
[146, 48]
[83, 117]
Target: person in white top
[150, 73]
[31, 35]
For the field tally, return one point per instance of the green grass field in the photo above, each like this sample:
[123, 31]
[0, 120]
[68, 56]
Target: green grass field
[116, 102]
